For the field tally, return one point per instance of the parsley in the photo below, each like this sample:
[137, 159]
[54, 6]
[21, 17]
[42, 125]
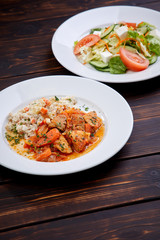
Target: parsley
[15, 138]
[62, 147]
[14, 129]
[56, 98]
[58, 124]
[8, 137]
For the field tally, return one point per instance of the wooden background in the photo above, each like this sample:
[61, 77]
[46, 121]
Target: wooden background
[119, 199]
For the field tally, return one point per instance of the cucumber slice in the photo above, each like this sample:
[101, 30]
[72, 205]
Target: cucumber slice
[98, 64]
[131, 49]
[95, 29]
[142, 30]
[152, 59]
[107, 69]
[108, 31]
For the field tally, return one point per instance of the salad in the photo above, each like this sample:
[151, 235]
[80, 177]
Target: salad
[120, 47]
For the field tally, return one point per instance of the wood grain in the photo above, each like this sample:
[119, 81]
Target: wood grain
[18, 10]
[140, 221]
[31, 199]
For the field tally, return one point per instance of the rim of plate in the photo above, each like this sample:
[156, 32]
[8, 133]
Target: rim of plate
[109, 102]
[63, 40]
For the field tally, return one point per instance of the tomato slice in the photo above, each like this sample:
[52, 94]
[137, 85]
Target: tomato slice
[134, 25]
[88, 41]
[132, 60]
[128, 24]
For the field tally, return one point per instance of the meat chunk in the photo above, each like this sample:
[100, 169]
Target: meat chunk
[79, 139]
[62, 145]
[59, 122]
[42, 130]
[92, 119]
[78, 122]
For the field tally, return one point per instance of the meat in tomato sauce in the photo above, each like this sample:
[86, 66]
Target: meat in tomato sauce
[68, 134]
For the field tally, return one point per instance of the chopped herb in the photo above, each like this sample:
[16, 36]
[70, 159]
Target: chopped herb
[56, 98]
[75, 43]
[14, 130]
[62, 147]
[15, 138]
[86, 108]
[93, 120]
[58, 124]
[9, 138]
[45, 136]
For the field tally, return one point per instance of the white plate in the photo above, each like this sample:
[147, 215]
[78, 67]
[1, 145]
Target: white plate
[109, 104]
[79, 25]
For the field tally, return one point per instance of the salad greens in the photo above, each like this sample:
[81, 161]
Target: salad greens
[142, 39]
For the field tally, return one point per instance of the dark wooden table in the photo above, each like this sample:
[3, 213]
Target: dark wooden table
[119, 199]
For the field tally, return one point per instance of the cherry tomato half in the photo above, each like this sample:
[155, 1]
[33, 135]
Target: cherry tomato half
[134, 25]
[132, 60]
[88, 41]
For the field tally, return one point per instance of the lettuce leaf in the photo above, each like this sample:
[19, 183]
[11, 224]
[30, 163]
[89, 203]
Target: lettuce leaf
[154, 44]
[152, 59]
[133, 34]
[116, 65]
[147, 25]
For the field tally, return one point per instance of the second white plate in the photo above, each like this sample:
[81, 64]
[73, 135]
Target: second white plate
[79, 25]
[109, 105]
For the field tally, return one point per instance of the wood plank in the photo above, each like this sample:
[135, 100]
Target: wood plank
[24, 57]
[148, 4]
[143, 97]
[155, 5]
[18, 10]
[140, 221]
[30, 199]
[144, 139]
[12, 31]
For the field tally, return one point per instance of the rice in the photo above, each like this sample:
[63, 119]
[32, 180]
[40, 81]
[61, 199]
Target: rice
[28, 119]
